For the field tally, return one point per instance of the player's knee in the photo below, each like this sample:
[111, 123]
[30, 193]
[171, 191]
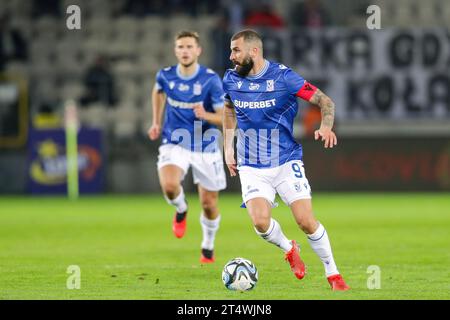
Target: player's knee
[171, 189]
[260, 218]
[209, 206]
[261, 224]
[308, 225]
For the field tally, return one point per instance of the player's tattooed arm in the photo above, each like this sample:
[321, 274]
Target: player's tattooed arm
[327, 108]
[229, 126]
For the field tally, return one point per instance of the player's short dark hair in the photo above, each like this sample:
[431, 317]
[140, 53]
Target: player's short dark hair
[248, 35]
[188, 34]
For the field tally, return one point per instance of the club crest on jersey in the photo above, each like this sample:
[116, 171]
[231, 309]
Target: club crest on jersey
[270, 85]
[253, 86]
[239, 84]
[197, 89]
[183, 87]
[171, 85]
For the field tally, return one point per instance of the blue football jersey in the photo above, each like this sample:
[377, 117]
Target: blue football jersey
[265, 106]
[181, 127]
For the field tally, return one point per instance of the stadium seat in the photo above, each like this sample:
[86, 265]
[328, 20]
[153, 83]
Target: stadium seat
[93, 47]
[38, 49]
[180, 22]
[99, 28]
[95, 115]
[99, 8]
[128, 90]
[205, 23]
[124, 68]
[149, 41]
[121, 47]
[45, 90]
[446, 13]
[357, 21]
[146, 114]
[67, 48]
[47, 24]
[125, 24]
[18, 68]
[44, 33]
[17, 8]
[148, 81]
[152, 24]
[148, 62]
[125, 121]
[72, 90]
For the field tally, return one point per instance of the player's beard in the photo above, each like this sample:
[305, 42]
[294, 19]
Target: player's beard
[244, 68]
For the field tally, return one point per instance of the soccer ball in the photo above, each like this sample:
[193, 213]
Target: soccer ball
[239, 274]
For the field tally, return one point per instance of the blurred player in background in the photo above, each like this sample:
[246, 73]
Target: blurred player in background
[193, 99]
[261, 98]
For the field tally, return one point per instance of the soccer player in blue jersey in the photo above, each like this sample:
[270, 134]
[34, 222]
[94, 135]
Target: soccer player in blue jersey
[261, 99]
[193, 99]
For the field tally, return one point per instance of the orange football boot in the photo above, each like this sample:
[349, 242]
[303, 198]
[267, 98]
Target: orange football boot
[207, 256]
[297, 265]
[337, 283]
[179, 224]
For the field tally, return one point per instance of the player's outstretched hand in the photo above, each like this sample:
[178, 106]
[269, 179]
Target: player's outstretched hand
[327, 135]
[231, 162]
[154, 132]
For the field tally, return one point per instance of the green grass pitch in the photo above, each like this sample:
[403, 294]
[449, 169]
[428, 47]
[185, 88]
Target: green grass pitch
[125, 248]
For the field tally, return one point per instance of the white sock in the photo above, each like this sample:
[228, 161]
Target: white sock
[321, 245]
[209, 228]
[179, 202]
[276, 236]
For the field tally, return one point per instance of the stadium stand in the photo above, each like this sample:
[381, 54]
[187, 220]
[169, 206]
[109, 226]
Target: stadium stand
[138, 43]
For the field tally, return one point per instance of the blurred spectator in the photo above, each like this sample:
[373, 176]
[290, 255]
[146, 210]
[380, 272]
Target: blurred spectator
[142, 8]
[193, 8]
[12, 44]
[100, 84]
[46, 8]
[264, 15]
[310, 14]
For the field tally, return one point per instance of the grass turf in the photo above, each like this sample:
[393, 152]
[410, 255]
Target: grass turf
[125, 248]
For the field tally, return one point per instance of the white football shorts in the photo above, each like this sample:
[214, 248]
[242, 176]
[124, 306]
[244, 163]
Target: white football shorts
[207, 167]
[288, 180]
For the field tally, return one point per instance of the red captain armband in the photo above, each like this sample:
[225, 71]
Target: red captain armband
[306, 91]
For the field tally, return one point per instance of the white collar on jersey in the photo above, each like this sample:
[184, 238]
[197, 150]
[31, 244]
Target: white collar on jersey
[187, 77]
[261, 73]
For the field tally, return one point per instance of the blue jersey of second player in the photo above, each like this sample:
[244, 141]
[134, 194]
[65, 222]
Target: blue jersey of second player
[265, 106]
[181, 126]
